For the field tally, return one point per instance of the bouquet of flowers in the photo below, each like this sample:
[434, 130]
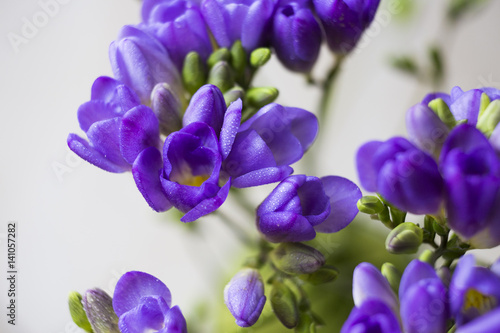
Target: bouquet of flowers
[182, 114]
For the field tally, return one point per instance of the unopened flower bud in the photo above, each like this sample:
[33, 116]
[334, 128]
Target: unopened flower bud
[259, 57]
[193, 72]
[244, 297]
[306, 324]
[221, 75]
[284, 304]
[392, 274]
[485, 101]
[297, 258]
[261, 96]
[442, 110]
[325, 274]
[167, 108]
[370, 205]
[490, 118]
[405, 238]
[77, 312]
[238, 59]
[99, 309]
[233, 94]
[221, 54]
[426, 256]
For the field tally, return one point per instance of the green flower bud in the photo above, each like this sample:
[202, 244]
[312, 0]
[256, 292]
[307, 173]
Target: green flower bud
[233, 94]
[297, 258]
[99, 309]
[193, 72]
[258, 97]
[370, 205]
[284, 304]
[443, 112]
[221, 75]
[485, 101]
[426, 256]
[77, 312]
[306, 324]
[238, 59]
[490, 117]
[222, 54]
[325, 274]
[259, 57]
[392, 274]
[405, 238]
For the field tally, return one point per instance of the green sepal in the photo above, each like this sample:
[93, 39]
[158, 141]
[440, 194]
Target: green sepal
[485, 101]
[490, 118]
[296, 258]
[284, 304]
[77, 312]
[405, 238]
[222, 76]
[442, 110]
[194, 74]
[325, 274]
[259, 57]
[261, 96]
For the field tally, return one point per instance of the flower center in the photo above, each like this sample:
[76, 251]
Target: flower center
[476, 300]
[194, 180]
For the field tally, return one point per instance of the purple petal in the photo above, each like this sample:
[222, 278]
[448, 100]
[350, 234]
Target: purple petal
[232, 119]
[262, 176]
[487, 323]
[415, 271]
[83, 149]
[278, 227]
[94, 111]
[208, 205]
[148, 314]
[174, 321]
[138, 131]
[207, 105]
[367, 173]
[280, 197]
[467, 106]
[369, 284]
[133, 286]
[425, 129]
[304, 126]
[467, 138]
[432, 96]
[112, 91]
[257, 20]
[146, 171]
[372, 316]
[344, 196]
[214, 16]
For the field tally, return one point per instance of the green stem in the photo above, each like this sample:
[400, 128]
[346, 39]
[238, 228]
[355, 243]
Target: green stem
[238, 230]
[441, 249]
[327, 88]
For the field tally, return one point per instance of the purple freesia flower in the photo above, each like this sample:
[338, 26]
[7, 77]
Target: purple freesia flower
[422, 297]
[179, 26]
[403, 174]
[117, 126]
[474, 292]
[344, 21]
[244, 297]
[143, 303]
[187, 175]
[140, 61]
[471, 172]
[267, 143]
[245, 20]
[296, 36]
[301, 205]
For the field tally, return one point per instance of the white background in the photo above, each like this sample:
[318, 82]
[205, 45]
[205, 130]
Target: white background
[81, 227]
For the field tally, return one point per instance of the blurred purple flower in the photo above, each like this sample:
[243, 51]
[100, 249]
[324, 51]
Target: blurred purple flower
[245, 20]
[267, 143]
[474, 291]
[301, 205]
[404, 175]
[344, 21]
[141, 62]
[244, 297]
[117, 126]
[471, 172]
[296, 36]
[179, 26]
[143, 303]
